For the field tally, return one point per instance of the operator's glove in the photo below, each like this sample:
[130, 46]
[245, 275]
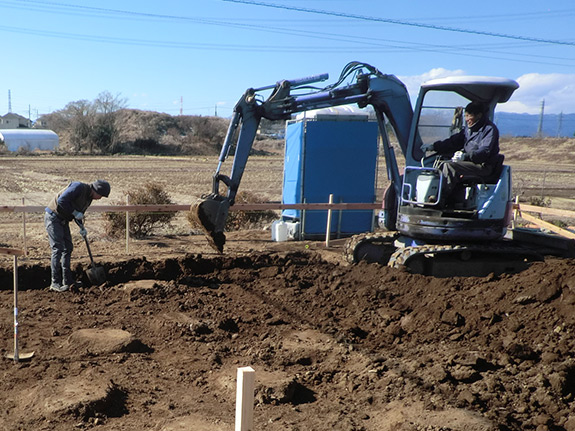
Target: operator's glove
[427, 147]
[78, 215]
[83, 232]
[458, 156]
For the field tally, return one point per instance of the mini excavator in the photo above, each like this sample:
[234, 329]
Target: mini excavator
[465, 235]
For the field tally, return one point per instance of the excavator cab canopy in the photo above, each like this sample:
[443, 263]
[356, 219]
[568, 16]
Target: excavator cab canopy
[438, 112]
[484, 89]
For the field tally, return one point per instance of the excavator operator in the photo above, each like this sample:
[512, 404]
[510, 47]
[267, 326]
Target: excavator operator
[474, 151]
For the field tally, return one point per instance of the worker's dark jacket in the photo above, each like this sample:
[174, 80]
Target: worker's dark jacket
[76, 197]
[479, 143]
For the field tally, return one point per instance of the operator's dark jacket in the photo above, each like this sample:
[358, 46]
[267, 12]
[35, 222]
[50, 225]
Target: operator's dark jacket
[479, 143]
[76, 197]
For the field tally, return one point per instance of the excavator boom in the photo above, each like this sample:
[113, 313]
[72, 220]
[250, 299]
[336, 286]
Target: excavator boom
[385, 93]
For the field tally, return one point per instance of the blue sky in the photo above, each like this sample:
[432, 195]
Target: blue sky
[198, 57]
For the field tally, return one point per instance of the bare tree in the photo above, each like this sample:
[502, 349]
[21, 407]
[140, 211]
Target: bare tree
[81, 116]
[105, 131]
[73, 124]
[86, 125]
[107, 103]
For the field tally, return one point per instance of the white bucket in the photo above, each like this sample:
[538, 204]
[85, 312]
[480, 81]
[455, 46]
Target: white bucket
[279, 231]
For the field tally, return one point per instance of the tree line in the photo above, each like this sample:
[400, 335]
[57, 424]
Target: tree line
[106, 126]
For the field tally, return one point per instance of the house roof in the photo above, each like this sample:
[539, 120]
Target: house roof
[12, 115]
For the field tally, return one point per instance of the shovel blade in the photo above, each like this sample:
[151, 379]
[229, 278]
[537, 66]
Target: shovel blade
[20, 356]
[96, 275]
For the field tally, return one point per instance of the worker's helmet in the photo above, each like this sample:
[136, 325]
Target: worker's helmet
[102, 187]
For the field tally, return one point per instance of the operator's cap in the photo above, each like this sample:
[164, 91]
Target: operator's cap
[102, 187]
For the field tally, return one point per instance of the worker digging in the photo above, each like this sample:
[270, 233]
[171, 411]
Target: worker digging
[69, 204]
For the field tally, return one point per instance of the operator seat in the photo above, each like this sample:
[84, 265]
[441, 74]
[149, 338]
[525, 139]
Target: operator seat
[498, 168]
[491, 179]
[457, 196]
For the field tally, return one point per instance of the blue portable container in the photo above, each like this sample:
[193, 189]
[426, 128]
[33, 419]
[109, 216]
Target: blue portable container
[330, 155]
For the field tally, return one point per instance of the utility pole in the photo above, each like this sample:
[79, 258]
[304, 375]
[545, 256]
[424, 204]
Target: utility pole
[181, 105]
[216, 110]
[540, 127]
[560, 124]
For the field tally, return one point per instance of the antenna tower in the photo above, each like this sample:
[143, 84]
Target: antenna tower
[9, 101]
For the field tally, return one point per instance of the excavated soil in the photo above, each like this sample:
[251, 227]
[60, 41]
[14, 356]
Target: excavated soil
[334, 347]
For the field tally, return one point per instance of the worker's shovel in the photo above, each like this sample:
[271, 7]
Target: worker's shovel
[17, 355]
[96, 274]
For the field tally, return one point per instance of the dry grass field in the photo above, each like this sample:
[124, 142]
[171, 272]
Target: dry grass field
[334, 346]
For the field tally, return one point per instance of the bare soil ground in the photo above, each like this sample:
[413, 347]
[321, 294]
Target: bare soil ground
[334, 346]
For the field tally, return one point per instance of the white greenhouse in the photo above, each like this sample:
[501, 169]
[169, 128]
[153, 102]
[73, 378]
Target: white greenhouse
[29, 139]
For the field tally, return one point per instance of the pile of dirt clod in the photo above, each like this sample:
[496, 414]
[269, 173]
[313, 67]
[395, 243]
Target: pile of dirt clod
[334, 347]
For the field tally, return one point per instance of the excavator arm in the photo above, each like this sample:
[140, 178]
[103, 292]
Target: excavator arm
[385, 93]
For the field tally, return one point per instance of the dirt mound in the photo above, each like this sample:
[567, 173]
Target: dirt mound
[104, 341]
[147, 132]
[340, 347]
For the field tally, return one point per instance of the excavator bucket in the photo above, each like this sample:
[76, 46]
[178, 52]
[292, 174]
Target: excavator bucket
[210, 213]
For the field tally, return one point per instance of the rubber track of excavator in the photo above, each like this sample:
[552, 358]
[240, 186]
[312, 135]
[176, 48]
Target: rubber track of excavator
[404, 257]
[376, 238]
[379, 247]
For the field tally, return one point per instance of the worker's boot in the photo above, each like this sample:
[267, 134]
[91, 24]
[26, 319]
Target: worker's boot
[57, 287]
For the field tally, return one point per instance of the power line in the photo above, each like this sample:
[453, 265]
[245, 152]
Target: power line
[377, 45]
[396, 46]
[43, 5]
[537, 16]
[406, 23]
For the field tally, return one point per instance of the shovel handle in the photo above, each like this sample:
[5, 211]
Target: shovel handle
[81, 226]
[79, 223]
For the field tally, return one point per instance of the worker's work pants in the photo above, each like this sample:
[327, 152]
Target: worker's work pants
[61, 246]
[455, 173]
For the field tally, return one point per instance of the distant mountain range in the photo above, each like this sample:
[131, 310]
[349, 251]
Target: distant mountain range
[554, 125]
